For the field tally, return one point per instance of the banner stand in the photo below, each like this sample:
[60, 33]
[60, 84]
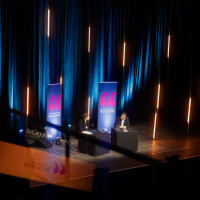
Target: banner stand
[107, 105]
[54, 107]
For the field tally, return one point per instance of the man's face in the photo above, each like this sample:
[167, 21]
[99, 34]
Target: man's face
[123, 117]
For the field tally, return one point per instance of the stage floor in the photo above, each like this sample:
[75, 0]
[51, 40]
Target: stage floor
[167, 143]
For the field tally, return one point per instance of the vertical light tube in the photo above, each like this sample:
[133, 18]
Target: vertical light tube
[124, 54]
[89, 105]
[158, 98]
[61, 80]
[155, 118]
[154, 129]
[48, 23]
[168, 46]
[27, 103]
[188, 118]
[89, 39]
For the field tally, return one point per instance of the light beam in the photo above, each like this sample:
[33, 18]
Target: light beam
[27, 103]
[168, 46]
[154, 129]
[48, 23]
[89, 39]
[188, 118]
[124, 54]
[158, 97]
[88, 105]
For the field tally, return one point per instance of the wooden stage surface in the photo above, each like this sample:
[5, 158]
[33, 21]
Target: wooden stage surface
[168, 143]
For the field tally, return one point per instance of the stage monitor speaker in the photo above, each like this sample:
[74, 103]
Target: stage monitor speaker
[40, 142]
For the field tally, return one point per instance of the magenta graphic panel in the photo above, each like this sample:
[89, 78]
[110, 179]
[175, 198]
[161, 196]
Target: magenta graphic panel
[54, 94]
[107, 105]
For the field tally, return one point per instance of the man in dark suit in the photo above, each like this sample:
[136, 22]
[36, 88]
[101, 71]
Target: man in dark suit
[122, 121]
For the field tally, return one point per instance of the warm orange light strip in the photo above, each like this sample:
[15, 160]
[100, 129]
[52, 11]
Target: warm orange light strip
[60, 80]
[168, 46]
[48, 25]
[27, 103]
[188, 118]
[89, 105]
[158, 98]
[154, 129]
[89, 40]
[124, 54]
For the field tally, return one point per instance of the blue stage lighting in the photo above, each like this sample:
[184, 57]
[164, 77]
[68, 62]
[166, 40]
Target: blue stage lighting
[21, 131]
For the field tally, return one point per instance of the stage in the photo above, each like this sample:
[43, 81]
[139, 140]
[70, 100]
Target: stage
[168, 145]
[61, 61]
[161, 168]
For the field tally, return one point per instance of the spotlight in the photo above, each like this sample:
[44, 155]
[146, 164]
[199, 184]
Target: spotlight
[49, 136]
[69, 125]
[58, 140]
[21, 131]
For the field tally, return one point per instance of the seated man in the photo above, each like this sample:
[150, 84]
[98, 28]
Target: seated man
[84, 123]
[122, 121]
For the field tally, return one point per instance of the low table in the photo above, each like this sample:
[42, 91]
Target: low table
[93, 144]
[125, 140]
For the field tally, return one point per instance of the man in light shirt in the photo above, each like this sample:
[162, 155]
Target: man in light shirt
[122, 121]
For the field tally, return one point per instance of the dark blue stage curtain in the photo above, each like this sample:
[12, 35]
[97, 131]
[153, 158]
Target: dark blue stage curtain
[43, 55]
[29, 57]
[72, 58]
[60, 55]
[12, 81]
[10, 42]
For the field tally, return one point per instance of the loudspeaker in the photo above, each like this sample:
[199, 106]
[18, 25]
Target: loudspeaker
[43, 143]
[38, 142]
